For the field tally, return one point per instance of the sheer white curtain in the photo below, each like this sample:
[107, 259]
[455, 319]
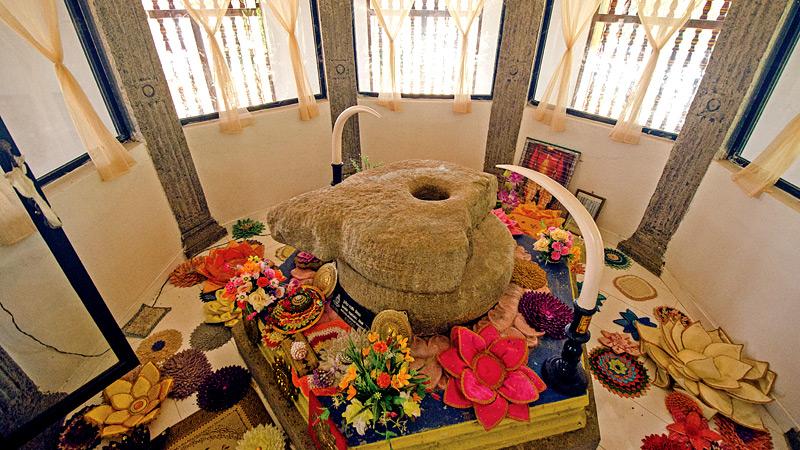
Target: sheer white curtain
[464, 13]
[209, 14]
[392, 16]
[772, 162]
[36, 21]
[660, 20]
[286, 12]
[575, 17]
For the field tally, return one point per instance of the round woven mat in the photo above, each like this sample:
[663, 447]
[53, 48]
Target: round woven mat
[635, 288]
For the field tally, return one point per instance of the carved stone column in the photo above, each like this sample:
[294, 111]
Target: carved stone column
[521, 26]
[730, 72]
[338, 42]
[124, 31]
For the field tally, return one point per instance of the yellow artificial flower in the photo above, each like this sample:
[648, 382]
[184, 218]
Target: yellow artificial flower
[411, 408]
[408, 358]
[348, 377]
[358, 415]
[402, 378]
[372, 336]
[403, 341]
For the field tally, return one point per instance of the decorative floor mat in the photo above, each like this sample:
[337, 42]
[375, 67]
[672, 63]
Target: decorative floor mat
[616, 259]
[206, 430]
[628, 322]
[143, 322]
[635, 288]
[208, 337]
[159, 346]
[621, 374]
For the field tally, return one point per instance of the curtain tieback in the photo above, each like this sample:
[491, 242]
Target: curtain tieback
[20, 181]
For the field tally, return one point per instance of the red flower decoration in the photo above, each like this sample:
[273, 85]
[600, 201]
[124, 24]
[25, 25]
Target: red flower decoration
[693, 430]
[384, 380]
[660, 442]
[490, 375]
[219, 266]
[380, 347]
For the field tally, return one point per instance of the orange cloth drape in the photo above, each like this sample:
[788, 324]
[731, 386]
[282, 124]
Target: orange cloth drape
[285, 12]
[209, 14]
[772, 162]
[392, 16]
[464, 13]
[660, 20]
[575, 17]
[36, 21]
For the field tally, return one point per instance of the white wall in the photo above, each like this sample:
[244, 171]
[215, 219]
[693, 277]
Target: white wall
[126, 236]
[738, 257]
[426, 129]
[278, 157]
[625, 175]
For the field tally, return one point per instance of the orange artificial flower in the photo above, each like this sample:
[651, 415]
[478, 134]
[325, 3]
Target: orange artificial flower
[348, 377]
[351, 392]
[219, 266]
[384, 380]
[400, 380]
[365, 351]
[380, 347]
[372, 336]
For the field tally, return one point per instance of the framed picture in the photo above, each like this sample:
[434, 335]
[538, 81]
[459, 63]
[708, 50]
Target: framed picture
[552, 160]
[593, 204]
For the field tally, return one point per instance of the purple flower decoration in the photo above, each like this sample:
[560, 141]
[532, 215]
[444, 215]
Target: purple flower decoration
[546, 313]
[223, 388]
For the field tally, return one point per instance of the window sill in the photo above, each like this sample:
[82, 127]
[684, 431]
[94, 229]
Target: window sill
[83, 171]
[775, 192]
[276, 106]
[366, 95]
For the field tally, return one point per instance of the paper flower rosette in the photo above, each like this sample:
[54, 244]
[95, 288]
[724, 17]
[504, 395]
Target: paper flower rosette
[489, 374]
[555, 244]
[379, 387]
[130, 404]
[711, 367]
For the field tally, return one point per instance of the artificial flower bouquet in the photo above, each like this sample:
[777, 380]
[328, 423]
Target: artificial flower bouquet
[379, 387]
[555, 244]
[508, 196]
[257, 287]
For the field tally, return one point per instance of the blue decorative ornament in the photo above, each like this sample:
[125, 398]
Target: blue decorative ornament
[629, 320]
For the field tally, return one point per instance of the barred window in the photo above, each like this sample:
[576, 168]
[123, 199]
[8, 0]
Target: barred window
[258, 55]
[615, 53]
[428, 47]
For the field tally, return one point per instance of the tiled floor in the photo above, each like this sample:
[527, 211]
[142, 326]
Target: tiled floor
[623, 422]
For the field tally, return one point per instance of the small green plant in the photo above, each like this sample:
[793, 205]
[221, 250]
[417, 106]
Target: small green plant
[247, 228]
[364, 164]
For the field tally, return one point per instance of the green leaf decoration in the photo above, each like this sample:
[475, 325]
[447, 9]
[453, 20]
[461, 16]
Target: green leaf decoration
[247, 228]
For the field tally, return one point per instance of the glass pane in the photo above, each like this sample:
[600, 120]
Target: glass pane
[258, 55]
[428, 46]
[615, 51]
[31, 102]
[35, 290]
[781, 107]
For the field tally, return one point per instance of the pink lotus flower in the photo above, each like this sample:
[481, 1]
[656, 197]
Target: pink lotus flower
[490, 374]
[555, 256]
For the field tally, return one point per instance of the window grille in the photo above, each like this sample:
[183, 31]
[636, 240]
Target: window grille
[428, 46]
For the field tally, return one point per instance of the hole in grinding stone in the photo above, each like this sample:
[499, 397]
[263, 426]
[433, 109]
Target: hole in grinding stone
[430, 193]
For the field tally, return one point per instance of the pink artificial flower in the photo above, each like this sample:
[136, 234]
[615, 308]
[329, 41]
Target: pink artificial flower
[557, 246]
[555, 256]
[510, 224]
[515, 177]
[550, 229]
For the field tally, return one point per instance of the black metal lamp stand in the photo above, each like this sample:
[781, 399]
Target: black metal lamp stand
[565, 374]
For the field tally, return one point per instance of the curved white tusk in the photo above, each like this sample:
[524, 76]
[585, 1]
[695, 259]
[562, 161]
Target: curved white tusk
[338, 128]
[589, 231]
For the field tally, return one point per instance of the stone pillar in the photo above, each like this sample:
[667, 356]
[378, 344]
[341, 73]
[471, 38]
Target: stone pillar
[521, 30]
[742, 44]
[338, 44]
[124, 31]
